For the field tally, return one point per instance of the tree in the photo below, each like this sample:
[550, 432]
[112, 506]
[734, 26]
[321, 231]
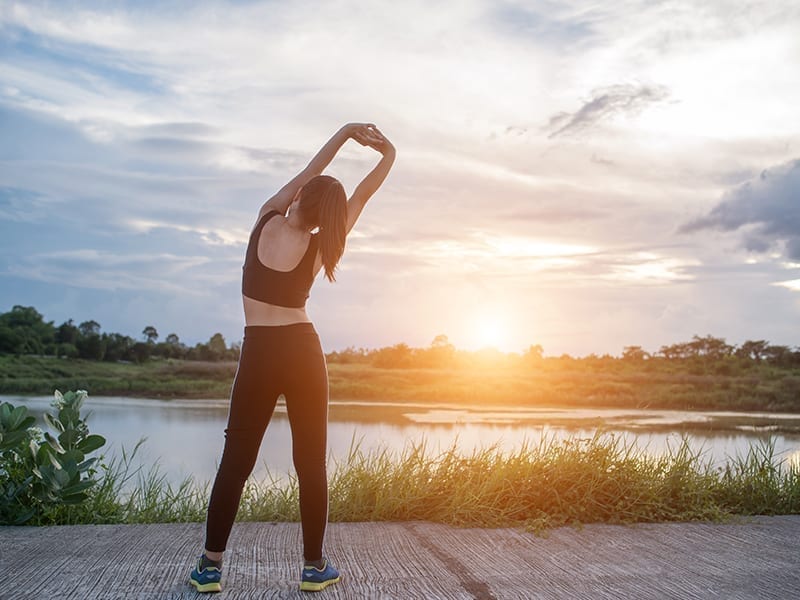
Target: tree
[171, 347]
[31, 332]
[10, 341]
[88, 328]
[534, 352]
[676, 351]
[141, 352]
[66, 337]
[89, 343]
[709, 346]
[216, 347]
[441, 341]
[634, 353]
[348, 355]
[754, 350]
[150, 334]
[118, 347]
[778, 355]
[397, 356]
[440, 354]
[67, 333]
[91, 347]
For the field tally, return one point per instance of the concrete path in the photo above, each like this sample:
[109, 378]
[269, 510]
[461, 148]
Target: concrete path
[756, 558]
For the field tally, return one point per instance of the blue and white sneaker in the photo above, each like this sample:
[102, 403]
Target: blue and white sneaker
[315, 580]
[206, 580]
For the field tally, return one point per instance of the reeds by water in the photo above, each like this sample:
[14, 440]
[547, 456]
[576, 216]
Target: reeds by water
[599, 479]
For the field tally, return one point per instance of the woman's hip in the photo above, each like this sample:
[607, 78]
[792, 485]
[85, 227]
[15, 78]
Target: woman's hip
[292, 347]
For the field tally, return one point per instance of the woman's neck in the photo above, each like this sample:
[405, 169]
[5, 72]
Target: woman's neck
[296, 222]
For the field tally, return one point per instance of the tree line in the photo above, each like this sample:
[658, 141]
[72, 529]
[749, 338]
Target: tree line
[23, 330]
[703, 354]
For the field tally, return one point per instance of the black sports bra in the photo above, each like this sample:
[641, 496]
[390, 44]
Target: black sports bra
[282, 288]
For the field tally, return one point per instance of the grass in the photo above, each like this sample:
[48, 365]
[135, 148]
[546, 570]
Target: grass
[155, 379]
[556, 382]
[596, 480]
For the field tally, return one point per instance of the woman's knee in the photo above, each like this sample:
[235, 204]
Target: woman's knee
[239, 456]
[310, 469]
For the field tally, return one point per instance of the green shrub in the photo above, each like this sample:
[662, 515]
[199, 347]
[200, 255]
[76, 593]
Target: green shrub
[41, 474]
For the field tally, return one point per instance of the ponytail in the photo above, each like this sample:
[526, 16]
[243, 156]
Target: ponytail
[323, 202]
[332, 227]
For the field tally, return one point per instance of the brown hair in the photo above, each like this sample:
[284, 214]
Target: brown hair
[323, 204]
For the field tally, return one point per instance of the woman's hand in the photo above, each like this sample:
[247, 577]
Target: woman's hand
[379, 142]
[367, 134]
[357, 130]
[363, 133]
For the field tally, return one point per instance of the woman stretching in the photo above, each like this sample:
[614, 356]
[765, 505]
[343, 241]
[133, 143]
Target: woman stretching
[281, 352]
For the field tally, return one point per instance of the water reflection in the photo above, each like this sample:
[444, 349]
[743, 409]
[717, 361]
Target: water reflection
[185, 437]
[793, 460]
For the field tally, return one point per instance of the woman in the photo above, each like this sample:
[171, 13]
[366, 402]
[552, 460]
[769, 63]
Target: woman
[281, 353]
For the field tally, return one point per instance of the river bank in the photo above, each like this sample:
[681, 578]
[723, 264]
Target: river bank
[465, 473]
[545, 384]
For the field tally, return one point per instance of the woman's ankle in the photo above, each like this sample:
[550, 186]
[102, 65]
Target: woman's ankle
[213, 559]
[317, 564]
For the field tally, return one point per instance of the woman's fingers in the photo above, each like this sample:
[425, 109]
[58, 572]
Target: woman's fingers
[367, 138]
[377, 132]
[367, 134]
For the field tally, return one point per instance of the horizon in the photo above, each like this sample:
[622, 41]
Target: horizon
[576, 176]
[161, 338]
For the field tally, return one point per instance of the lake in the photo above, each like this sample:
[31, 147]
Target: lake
[185, 437]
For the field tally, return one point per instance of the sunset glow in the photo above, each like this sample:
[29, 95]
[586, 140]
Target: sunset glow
[491, 332]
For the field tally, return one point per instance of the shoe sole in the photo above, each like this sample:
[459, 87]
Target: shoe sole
[204, 588]
[311, 586]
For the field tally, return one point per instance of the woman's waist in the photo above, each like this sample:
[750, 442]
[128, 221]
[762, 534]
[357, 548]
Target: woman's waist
[257, 313]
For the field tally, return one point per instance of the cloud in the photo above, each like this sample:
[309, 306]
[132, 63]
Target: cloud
[556, 214]
[605, 104]
[139, 139]
[793, 284]
[553, 23]
[767, 206]
[21, 205]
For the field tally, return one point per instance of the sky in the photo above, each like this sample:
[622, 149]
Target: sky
[581, 175]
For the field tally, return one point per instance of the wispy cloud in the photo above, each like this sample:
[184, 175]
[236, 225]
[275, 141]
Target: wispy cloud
[605, 104]
[93, 269]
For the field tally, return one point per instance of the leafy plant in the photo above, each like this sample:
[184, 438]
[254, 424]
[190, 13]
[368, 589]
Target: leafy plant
[41, 473]
[15, 439]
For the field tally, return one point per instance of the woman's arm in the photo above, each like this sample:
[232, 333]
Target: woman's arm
[370, 184]
[285, 196]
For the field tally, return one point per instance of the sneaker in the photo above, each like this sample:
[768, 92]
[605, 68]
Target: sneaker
[315, 580]
[206, 580]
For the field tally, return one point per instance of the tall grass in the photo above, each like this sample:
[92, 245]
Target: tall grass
[599, 479]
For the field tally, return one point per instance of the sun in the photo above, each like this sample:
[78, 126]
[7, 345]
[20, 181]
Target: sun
[490, 331]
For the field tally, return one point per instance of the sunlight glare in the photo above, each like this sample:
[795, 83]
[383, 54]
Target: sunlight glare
[646, 266]
[490, 331]
[793, 284]
[794, 461]
[511, 246]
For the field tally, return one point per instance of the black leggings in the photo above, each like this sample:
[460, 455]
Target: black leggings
[276, 360]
